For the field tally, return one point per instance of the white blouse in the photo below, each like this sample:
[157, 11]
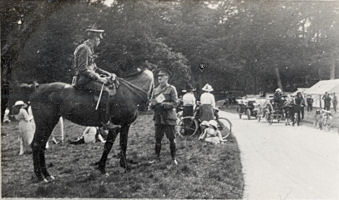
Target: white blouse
[189, 99]
[207, 98]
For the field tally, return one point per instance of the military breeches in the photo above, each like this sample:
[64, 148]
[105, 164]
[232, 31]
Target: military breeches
[161, 129]
[94, 87]
[169, 130]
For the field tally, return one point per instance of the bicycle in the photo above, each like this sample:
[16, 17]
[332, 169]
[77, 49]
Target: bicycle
[189, 126]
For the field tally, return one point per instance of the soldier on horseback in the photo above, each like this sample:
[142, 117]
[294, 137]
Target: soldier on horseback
[91, 78]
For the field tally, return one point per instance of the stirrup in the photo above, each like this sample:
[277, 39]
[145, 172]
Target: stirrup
[109, 125]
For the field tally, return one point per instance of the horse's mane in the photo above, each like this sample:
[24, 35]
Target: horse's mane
[131, 75]
[135, 89]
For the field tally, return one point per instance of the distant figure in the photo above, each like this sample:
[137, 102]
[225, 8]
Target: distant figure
[91, 135]
[212, 134]
[327, 101]
[309, 101]
[299, 101]
[6, 118]
[26, 125]
[334, 102]
[189, 101]
[207, 102]
[277, 98]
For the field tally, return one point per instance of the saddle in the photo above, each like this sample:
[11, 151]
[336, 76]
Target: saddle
[96, 88]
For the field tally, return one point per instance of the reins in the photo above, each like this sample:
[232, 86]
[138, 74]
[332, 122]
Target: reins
[141, 93]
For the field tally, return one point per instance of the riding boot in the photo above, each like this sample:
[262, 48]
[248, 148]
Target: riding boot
[173, 150]
[157, 150]
[107, 124]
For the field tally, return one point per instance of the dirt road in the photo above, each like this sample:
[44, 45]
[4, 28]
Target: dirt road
[284, 162]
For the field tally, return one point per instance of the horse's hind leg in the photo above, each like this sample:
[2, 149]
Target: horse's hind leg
[112, 135]
[44, 127]
[123, 146]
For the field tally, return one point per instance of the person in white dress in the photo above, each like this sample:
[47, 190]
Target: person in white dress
[207, 102]
[189, 101]
[212, 134]
[26, 126]
[91, 135]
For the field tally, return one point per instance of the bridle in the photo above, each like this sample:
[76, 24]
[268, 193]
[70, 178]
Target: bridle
[137, 90]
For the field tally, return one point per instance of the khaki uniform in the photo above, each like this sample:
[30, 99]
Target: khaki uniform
[165, 117]
[86, 72]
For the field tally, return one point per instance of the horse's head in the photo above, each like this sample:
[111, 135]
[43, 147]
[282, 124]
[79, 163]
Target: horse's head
[20, 92]
[142, 85]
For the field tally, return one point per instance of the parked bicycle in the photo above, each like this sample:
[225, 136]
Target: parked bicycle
[189, 126]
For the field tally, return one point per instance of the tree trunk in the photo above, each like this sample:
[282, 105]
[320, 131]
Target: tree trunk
[277, 73]
[332, 67]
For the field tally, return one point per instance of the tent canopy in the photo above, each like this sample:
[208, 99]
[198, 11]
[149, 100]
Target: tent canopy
[321, 87]
[299, 90]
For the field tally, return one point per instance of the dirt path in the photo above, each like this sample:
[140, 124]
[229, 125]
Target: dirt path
[284, 162]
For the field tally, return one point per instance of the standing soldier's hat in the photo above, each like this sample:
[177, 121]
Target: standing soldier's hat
[94, 30]
[164, 72]
[189, 87]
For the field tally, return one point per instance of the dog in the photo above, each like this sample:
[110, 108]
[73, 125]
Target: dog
[323, 119]
[26, 138]
[317, 118]
[326, 121]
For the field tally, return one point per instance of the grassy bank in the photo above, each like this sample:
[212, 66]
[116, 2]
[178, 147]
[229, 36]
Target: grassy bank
[204, 171]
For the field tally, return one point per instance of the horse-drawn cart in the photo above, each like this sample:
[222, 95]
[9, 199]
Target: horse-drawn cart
[248, 107]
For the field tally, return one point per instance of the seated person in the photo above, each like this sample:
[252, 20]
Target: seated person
[203, 126]
[212, 134]
[91, 135]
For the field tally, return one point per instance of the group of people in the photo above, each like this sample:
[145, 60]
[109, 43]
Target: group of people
[209, 126]
[301, 102]
[91, 78]
[327, 101]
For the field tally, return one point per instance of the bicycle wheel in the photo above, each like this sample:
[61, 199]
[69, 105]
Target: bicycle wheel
[187, 126]
[224, 126]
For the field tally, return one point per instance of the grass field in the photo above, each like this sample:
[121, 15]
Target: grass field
[204, 170]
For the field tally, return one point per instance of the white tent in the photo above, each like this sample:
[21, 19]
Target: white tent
[302, 90]
[319, 89]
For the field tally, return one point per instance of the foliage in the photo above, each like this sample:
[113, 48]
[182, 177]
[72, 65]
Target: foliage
[241, 43]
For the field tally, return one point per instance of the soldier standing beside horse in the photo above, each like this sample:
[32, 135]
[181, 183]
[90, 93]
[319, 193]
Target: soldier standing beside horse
[164, 102]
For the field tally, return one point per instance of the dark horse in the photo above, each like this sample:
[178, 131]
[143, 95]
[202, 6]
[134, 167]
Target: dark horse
[52, 100]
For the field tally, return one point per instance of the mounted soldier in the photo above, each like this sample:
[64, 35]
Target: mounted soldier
[91, 78]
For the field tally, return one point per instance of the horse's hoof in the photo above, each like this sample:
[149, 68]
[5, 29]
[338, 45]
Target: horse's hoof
[175, 162]
[127, 168]
[50, 178]
[95, 164]
[101, 169]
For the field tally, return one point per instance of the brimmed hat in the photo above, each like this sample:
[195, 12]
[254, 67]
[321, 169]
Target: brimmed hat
[207, 88]
[278, 90]
[164, 72]
[189, 88]
[94, 30]
[204, 123]
[20, 103]
[213, 123]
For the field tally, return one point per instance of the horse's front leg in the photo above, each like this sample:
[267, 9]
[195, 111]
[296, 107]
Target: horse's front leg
[112, 135]
[123, 146]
